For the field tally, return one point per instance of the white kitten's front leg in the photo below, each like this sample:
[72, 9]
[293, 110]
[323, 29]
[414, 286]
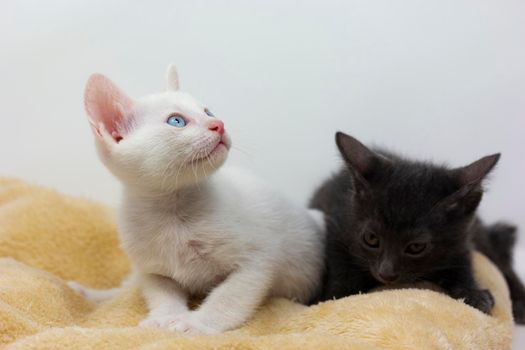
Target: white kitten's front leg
[230, 304]
[165, 300]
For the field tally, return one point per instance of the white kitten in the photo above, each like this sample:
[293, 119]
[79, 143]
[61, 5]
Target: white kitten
[227, 236]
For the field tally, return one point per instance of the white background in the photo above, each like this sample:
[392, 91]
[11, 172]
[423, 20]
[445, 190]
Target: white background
[441, 80]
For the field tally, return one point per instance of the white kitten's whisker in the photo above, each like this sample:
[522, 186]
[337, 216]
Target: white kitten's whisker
[199, 158]
[237, 148]
[205, 156]
[209, 161]
[167, 168]
[181, 165]
[193, 170]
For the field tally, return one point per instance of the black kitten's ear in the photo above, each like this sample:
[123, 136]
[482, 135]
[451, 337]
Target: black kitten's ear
[477, 171]
[466, 200]
[356, 155]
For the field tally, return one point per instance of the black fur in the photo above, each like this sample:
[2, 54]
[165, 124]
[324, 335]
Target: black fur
[395, 221]
[497, 243]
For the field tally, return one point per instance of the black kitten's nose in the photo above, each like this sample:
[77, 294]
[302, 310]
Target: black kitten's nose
[388, 277]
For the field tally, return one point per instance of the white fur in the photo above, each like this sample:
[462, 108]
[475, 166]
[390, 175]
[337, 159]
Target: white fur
[227, 235]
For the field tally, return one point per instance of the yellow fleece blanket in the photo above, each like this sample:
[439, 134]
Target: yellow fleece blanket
[47, 238]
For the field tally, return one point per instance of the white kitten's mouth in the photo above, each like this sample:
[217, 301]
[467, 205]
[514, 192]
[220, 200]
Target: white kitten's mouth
[219, 148]
[221, 144]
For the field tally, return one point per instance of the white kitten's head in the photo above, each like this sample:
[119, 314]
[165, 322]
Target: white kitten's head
[159, 142]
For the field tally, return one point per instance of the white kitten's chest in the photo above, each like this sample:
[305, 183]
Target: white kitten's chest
[198, 236]
[193, 255]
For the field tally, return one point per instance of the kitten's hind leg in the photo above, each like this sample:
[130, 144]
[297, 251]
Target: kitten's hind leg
[497, 243]
[502, 237]
[517, 295]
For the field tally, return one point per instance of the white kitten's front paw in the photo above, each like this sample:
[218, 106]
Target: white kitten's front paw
[189, 324]
[185, 323]
[154, 321]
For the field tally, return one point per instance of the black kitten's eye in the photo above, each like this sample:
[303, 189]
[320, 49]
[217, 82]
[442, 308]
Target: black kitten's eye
[371, 239]
[415, 248]
[210, 114]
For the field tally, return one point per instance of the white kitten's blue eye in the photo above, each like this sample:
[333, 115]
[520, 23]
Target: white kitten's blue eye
[209, 113]
[177, 121]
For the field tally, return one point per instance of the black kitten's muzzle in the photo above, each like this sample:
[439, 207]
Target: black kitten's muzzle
[387, 278]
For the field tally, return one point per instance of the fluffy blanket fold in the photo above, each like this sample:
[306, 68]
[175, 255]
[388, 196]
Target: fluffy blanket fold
[47, 238]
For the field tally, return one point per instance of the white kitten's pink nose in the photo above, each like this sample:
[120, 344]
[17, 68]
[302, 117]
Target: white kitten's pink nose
[216, 125]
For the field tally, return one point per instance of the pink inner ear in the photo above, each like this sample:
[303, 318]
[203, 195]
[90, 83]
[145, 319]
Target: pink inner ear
[105, 103]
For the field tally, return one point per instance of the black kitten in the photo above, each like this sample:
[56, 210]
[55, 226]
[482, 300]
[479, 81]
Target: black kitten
[396, 221]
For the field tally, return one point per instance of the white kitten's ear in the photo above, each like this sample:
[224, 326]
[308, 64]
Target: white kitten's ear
[107, 106]
[172, 78]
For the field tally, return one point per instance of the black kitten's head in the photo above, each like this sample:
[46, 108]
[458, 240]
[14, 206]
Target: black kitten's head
[408, 219]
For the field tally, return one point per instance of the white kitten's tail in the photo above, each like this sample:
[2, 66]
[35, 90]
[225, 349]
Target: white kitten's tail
[100, 295]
